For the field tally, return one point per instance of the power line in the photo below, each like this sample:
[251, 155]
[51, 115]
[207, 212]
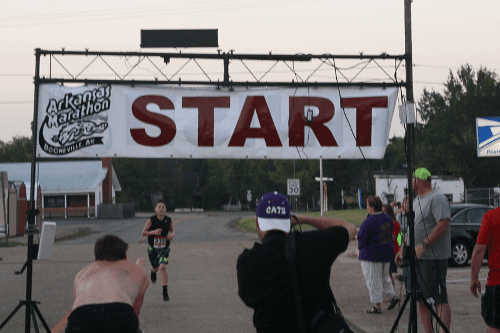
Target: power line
[135, 12]
[16, 102]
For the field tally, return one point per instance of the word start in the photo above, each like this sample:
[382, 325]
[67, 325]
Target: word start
[255, 105]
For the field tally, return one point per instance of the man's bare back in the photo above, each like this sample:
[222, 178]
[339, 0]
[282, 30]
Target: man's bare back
[111, 281]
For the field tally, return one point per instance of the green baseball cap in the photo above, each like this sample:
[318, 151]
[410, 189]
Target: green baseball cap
[422, 173]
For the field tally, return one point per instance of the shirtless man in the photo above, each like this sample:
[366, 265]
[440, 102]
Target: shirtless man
[108, 294]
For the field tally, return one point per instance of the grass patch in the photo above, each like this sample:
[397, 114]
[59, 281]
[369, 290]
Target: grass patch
[80, 232]
[246, 224]
[10, 244]
[354, 216]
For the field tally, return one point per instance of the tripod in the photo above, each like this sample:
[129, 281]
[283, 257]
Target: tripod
[31, 305]
[31, 309]
[410, 295]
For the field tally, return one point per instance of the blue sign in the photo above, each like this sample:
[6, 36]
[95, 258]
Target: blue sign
[488, 136]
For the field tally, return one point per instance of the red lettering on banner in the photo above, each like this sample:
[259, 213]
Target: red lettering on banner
[364, 107]
[298, 121]
[166, 125]
[205, 106]
[267, 131]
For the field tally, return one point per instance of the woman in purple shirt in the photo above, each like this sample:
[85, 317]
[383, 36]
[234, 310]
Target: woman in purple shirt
[376, 247]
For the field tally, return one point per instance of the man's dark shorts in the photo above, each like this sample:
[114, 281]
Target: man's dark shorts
[158, 256]
[103, 318]
[490, 306]
[431, 277]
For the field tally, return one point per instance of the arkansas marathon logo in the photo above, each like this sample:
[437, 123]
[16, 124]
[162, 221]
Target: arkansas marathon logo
[76, 121]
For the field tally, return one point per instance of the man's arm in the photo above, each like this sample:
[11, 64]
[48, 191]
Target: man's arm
[399, 256]
[326, 222]
[140, 297]
[475, 267]
[146, 232]
[171, 232]
[434, 236]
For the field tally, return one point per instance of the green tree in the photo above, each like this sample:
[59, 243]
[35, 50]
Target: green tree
[19, 149]
[179, 182]
[305, 170]
[229, 180]
[395, 155]
[446, 143]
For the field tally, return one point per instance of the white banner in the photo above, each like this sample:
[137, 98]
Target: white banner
[178, 122]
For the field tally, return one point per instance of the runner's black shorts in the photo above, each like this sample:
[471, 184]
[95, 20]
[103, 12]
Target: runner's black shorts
[158, 256]
[103, 318]
[490, 306]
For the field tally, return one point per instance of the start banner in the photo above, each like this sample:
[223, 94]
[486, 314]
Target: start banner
[180, 122]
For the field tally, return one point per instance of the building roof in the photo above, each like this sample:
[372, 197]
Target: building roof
[61, 176]
[365, 180]
[405, 176]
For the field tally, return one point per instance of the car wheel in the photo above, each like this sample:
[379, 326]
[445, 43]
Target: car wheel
[460, 253]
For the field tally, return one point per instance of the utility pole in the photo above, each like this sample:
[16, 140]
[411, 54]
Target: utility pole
[412, 325]
[321, 198]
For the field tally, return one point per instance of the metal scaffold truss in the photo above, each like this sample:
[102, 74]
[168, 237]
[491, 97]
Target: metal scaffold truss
[195, 69]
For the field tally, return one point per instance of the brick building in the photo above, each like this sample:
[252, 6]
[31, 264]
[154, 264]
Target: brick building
[68, 188]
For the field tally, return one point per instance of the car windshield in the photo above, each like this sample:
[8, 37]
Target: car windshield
[455, 210]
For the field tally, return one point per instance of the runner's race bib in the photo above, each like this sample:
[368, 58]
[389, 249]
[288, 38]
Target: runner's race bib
[160, 242]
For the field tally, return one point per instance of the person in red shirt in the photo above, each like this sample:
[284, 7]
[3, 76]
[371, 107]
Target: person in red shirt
[387, 209]
[488, 239]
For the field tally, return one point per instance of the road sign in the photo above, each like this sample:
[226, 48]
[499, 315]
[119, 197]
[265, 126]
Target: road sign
[293, 186]
[249, 195]
[488, 136]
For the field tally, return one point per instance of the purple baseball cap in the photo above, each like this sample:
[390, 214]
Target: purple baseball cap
[273, 212]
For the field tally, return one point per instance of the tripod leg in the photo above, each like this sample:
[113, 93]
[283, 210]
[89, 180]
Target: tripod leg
[11, 315]
[41, 317]
[400, 314]
[434, 314]
[22, 269]
[33, 317]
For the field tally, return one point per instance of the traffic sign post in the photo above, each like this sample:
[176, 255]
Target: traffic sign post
[249, 197]
[293, 186]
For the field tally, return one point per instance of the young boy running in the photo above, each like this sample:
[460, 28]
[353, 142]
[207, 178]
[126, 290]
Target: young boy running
[160, 232]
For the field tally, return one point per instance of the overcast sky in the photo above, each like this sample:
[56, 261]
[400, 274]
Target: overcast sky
[446, 35]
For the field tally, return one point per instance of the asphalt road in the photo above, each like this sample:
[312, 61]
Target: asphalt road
[206, 227]
[202, 286]
[202, 274]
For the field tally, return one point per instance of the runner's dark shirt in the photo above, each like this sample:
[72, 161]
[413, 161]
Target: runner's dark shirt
[156, 223]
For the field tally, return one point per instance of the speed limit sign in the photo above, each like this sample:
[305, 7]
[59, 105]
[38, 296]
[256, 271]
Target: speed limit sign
[293, 186]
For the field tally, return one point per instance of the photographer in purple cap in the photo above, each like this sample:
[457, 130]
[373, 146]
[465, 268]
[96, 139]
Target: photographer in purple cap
[264, 281]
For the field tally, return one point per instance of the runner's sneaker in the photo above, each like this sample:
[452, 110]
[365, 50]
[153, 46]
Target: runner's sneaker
[153, 277]
[165, 294]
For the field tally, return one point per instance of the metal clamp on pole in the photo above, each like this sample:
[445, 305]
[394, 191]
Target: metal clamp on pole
[407, 114]
[32, 228]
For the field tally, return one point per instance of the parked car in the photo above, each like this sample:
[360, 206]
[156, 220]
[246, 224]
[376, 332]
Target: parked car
[465, 223]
